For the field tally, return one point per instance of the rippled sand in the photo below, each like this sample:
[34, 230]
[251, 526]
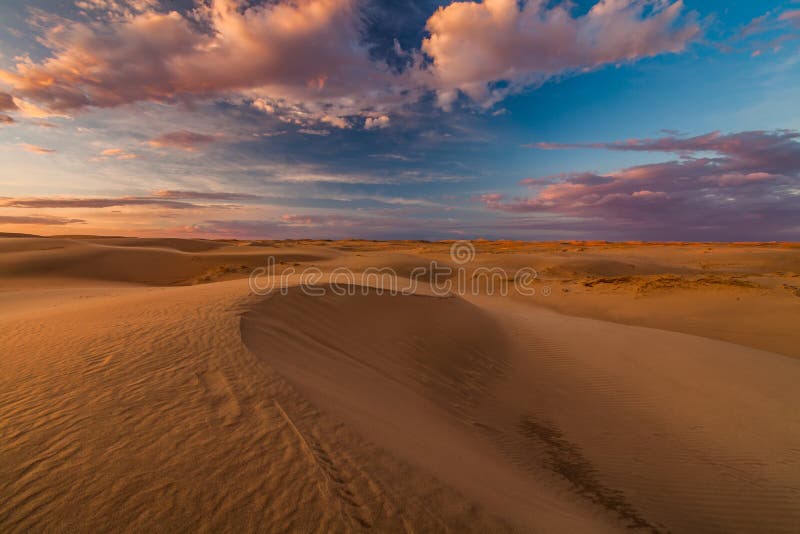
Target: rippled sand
[143, 387]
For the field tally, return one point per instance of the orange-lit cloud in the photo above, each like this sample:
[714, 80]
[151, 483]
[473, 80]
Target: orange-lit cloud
[182, 139]
[118, 153]
[36, 149]
[381, 121]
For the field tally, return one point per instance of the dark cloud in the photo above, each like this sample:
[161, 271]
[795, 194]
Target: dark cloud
[168, 198]
[93, 202]
[38, 219]
[7, 102]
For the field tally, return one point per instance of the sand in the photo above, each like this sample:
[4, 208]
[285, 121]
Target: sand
[645, 387]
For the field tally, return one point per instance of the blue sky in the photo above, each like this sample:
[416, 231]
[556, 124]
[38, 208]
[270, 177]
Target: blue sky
[621, 119]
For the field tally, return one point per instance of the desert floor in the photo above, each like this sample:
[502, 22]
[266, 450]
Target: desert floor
[145, 388]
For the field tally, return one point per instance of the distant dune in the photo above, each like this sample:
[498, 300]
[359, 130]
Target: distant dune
[644, 387]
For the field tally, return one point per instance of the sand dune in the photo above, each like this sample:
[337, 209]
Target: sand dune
[489, 402]
[408, 372]
[142, 387]
[155, 262]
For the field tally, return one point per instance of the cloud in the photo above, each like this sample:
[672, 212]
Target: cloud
[31, 110]
[491, 199]
[312, 131]
[319, 220]
[308, 60]
[474, 45]
[6, 119]
[263, 106]
[166, 198]
[381, 121]
[92, 202]
[35, 149]
[319, 225]
[117, 7]
[285, 226]
[722, 186]
[304, 52]
[753, 151]
[38, 219]
[117, 153]
[336, 122]
[7, 102]
[769, 31]
[792, 16]
[299, 114]
[182, 139]
[203, 195]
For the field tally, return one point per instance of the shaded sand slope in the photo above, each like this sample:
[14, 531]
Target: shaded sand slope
[523, 409]
[407, 372]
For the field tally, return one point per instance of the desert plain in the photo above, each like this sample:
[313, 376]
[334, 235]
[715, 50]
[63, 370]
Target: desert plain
[145, 387]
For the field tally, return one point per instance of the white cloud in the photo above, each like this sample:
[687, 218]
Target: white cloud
[371, 123]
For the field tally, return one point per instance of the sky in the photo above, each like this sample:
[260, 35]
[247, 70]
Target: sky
[662, 120]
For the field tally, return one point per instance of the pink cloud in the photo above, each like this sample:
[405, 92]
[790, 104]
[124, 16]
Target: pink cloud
[781, 22]
[491, 200]
[754, 151]
[182, 139]
[792, 15]
[722, 183]
[475, 43]
[304, 52]
[305, 60]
